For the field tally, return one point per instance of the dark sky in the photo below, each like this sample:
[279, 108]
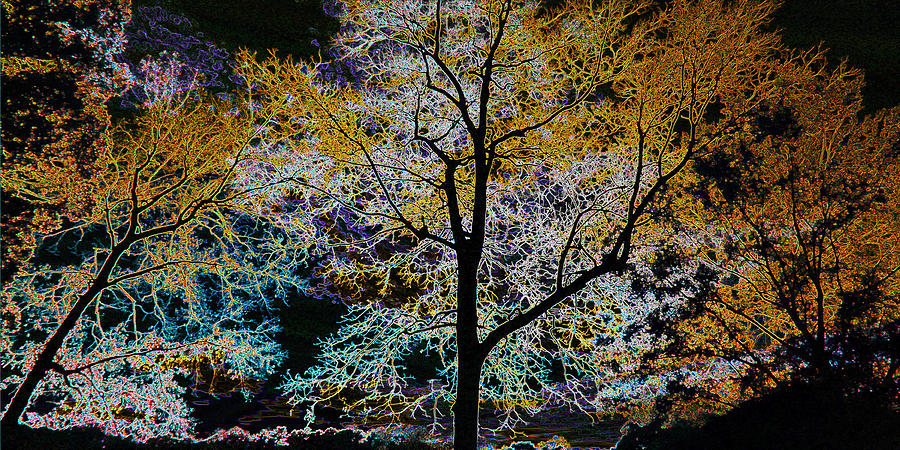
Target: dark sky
[867, 32]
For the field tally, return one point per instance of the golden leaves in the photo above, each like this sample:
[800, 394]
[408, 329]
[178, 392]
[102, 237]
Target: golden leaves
[13, 65]
[807, 197]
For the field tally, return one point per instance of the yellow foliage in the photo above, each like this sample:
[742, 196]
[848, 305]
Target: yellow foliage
[814, 218]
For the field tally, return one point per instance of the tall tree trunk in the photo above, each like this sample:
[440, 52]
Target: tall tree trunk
[465, 409]
[469, 355]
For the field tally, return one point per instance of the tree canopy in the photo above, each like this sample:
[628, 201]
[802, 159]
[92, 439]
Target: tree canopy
[164, 268]
[522, 207]
[478, 174]
[804, 247]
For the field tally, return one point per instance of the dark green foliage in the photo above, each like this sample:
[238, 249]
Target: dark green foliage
[422, 365]
[406, 440]
[304, 321]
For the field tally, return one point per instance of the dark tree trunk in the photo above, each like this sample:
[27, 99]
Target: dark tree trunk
[469, 355]
[44, 361]
[465, 409]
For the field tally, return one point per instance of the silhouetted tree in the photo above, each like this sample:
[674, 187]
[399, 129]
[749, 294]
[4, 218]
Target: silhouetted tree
[804, 251]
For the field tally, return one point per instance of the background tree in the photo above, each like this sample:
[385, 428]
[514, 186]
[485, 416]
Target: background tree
[58, 69]
[155, 33]
[488, 170]
[805, 244]
[165, 268]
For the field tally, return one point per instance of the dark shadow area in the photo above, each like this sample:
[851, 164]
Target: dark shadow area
[864, 31]
[293, 27]
[800, 418]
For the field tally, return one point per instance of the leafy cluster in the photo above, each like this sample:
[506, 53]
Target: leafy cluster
[157, 34]
[59, 61]
[803, 256]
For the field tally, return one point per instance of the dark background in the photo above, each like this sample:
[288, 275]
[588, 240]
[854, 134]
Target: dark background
[867, 32]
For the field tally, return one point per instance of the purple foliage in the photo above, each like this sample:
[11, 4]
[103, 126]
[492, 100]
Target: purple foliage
[343, 224]
[155, 32]
[340, 71]
[333, 8]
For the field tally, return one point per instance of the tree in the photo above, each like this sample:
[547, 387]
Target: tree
[482, 173]
[806, 248]
[155, 33]
[166, 268]
[58, 69]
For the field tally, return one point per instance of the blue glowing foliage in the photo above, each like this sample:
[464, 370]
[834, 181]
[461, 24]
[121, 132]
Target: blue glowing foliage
[167, 277]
